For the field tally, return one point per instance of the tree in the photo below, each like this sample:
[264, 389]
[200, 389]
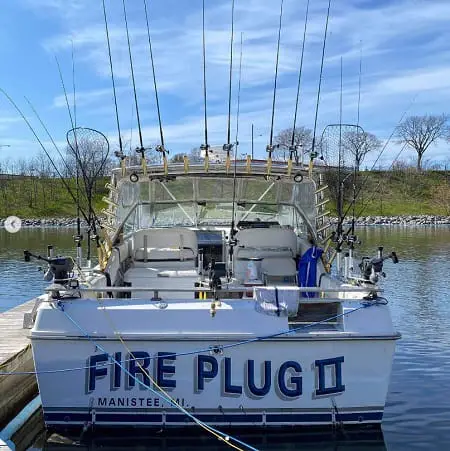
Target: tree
[178, 158]
[302, 139]
[419, 132]
[359, 144]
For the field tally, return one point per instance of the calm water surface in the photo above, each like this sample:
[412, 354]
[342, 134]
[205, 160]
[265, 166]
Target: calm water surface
[417, 414]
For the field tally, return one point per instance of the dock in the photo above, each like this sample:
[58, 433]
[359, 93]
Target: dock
[15, 355]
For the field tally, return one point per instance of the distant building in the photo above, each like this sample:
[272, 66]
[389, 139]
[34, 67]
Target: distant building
[216, 154]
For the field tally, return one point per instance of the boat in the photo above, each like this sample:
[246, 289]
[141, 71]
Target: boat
[213, 302]
[221, 297]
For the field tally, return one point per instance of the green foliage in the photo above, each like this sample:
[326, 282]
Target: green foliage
[403, 191]
[42, 197]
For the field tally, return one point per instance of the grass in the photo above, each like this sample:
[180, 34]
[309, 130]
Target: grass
[388, 193]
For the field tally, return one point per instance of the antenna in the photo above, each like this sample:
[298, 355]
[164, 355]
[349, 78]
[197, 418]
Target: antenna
[270, 147]
[132, 77]
[154, 76]
[320, 82]
[112, 77]
[204, 146]
[293, 147]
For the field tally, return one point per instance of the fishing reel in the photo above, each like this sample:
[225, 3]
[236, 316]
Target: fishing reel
[372, 268]
[58, 267]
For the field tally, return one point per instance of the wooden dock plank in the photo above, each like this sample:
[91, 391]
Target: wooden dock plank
[13, 338]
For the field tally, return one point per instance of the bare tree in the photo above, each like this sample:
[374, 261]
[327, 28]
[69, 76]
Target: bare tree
[302, 139]
[359, 144]
[178, 158]
[419, 132]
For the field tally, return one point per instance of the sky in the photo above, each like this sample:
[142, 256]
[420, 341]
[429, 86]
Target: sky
[405, 69]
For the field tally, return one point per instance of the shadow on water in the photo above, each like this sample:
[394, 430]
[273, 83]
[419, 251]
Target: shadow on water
[325, 440]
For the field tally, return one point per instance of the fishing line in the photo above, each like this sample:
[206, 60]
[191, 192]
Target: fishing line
[300, 75]
[132, 76]
[112, 77]
[154, 76]
[320, 81]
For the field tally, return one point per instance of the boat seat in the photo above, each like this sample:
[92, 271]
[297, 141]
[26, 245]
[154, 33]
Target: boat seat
[157, 278]
[166, 244]
[271, 242]
[277, 247]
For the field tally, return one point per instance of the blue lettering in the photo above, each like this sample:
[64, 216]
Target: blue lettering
[266, 376]
[204, 373]
[162, 370]
[338, 387]
[134, 368]
[293, 387]
[95, 372]
[116, 374]
[229, 388]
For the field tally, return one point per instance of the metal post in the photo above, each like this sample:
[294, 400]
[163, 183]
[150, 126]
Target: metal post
[252, 141]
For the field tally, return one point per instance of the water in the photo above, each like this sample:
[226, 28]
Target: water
[417, 414]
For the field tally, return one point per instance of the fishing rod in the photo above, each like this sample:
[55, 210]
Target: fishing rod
[91, 218]
[141, 149]
[313, 154]
[233, 228]
[270, 146]
[340, 199]
[293, 147]
[381, 152]
[112, 78]
[154, 76]
[11, 101]
[204, 146]
[239, 93]
[356, 168]
[161, 147]
[340, 242]
[228, 146]
[78, 237]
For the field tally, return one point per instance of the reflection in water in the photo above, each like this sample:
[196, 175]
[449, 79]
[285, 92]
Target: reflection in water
[264, 440]
[418, 409]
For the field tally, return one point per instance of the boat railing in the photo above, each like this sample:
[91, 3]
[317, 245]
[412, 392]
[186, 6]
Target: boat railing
[210, 294]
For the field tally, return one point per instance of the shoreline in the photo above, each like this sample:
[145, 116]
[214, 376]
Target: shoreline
[403, 220]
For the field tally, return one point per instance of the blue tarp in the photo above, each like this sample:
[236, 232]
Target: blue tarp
[307, 269]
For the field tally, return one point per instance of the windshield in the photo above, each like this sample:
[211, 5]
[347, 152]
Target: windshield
[202, 202]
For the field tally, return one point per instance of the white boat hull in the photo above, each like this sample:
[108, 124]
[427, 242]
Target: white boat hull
[287, 381]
